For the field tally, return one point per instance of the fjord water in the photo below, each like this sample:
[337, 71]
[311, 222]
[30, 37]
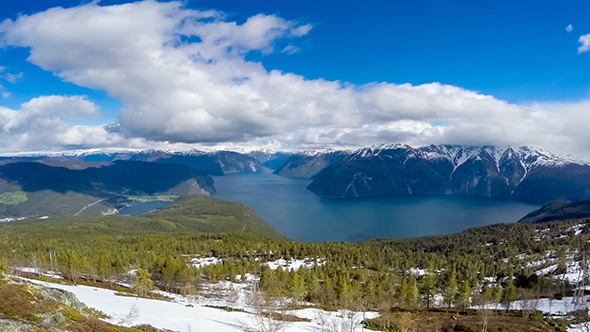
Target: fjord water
[303, 216]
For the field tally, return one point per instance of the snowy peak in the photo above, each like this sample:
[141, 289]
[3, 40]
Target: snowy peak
[523, 173]
[319, 152]
[529, 157]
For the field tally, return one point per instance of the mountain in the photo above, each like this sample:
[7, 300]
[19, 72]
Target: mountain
[559, 210]
[269, 158]
[309, 163]
[29, 189]
[214, 163]
[523, 173]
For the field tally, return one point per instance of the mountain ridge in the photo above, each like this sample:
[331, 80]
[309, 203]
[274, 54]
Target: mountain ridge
[521, 173]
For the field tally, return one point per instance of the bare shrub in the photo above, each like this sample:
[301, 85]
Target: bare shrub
[268, 312]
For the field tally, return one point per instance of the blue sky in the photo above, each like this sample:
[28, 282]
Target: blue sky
[510, 49]
[513, 50]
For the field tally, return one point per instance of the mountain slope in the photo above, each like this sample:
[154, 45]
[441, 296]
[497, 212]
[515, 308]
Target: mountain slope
[194, 214]
[214, 163]
[523, 173]
[309, 163]
[271, 159]
[59, 191]
[559, 210]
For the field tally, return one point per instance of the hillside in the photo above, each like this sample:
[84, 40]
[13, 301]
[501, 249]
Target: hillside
[35, 189]
[194, 214]
[524, 173]
[559, 210]
[395, 277]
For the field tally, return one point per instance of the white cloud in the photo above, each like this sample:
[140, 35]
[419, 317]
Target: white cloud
[42, 123]
[183, 78]
[13, 78]
[569, 28]
[291, 49]
[10, 78]
[585, 41]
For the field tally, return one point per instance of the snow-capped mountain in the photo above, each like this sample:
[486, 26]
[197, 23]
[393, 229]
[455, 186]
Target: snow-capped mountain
[522, 173]
[214, 163]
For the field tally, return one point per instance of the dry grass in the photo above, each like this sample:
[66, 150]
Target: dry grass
[17, 301]
[451, 320]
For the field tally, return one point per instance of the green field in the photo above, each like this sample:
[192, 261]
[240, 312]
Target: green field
[13, 198]
[149, 198]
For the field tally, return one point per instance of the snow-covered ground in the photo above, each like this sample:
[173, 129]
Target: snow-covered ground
[295, 264]
[192, 314]
[51, 274]
[200, 262]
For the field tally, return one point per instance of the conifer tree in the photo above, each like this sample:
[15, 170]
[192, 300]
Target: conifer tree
[451, 287]
[413, 294]
[430, 284]
[510, 294]
[343, 288]
[313, 284]
[296, 285]
[143, 282]
[464, 295]
[402, 292]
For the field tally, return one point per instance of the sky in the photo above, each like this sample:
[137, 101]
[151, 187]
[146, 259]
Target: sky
[292, 75]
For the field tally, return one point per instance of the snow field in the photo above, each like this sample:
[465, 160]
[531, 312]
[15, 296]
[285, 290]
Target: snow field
[191, 314]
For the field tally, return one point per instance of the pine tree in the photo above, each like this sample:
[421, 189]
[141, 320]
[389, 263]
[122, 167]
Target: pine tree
[343, 288]
[296, 285]
[72, 263]
[451, 287]
[430, 284]
[402, 292]
[464, 295]
[498, 294]
[510, 294]
[313, 284]
[143, 282]
[413, 294]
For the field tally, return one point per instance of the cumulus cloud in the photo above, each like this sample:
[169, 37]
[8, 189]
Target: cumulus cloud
[585, 41]
[569, 28]
[42, 122]
[184, 78]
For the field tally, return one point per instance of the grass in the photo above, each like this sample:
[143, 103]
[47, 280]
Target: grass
[13, 198]
[149, 198]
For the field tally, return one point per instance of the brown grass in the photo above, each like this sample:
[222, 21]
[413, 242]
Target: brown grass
[16, 301]
[451, 320]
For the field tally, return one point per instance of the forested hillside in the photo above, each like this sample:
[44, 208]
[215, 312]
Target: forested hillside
[30, 189]
[520, 260]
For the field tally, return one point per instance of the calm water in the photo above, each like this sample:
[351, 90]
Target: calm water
[144, 207]
[303, 216]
